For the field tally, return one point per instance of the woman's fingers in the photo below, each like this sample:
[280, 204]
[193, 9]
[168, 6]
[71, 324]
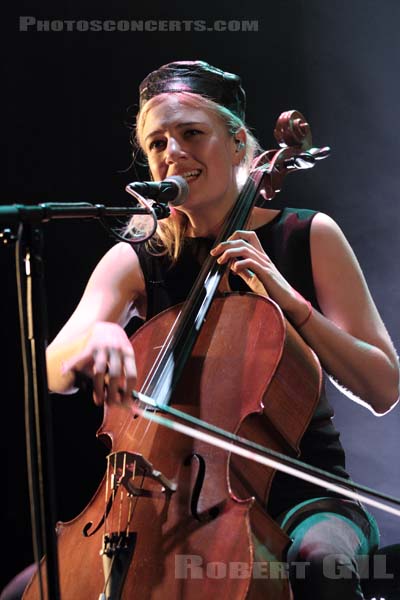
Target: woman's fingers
[249, 270]
[241, 243]
[249, 236]
[113, 372]
[245, 266]
[98, 375]
[241, 252]
[99, 390]
[119, 378]
[247, 258]
[130, 373]
[108, 359]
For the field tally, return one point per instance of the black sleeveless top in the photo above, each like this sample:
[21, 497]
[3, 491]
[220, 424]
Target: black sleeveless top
[286, 240]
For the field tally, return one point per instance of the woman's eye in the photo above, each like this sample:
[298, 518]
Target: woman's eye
[160, 144]
[192, 132]
[157, 145]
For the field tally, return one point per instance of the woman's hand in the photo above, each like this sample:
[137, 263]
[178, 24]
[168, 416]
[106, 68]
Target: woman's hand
[108, 359]
[348, 336]
[248, 260]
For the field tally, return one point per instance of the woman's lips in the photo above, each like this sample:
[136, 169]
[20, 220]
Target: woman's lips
[191, 175]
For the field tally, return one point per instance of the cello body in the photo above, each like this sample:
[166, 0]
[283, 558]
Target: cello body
[176, 518]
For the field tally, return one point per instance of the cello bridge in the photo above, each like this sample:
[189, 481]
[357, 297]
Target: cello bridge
[128, 466]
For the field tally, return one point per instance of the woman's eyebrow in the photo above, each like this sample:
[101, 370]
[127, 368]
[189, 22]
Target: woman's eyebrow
[178, 126]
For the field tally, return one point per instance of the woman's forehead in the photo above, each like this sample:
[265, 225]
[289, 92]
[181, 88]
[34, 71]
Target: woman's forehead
[171, 111]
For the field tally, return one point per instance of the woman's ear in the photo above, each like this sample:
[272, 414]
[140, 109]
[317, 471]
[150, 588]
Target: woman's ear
[240, 146]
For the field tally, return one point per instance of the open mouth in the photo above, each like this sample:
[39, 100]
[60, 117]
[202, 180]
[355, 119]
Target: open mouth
[191, 175]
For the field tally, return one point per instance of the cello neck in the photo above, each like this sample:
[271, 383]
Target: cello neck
[174, 354]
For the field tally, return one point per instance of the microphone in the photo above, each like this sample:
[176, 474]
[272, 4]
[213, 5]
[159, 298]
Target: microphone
[172, 190]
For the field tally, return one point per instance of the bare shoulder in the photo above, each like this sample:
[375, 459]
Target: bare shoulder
[335, 267]
[323, 226]
[330, 249]
[340, 285]
[119, 267]
[121, 253]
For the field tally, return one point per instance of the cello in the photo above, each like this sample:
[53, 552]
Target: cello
[173, 517]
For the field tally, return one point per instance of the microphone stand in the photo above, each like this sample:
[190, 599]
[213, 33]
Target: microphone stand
[33, 329]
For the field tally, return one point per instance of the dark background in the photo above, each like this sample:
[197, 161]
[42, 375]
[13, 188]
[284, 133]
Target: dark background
[69, 104]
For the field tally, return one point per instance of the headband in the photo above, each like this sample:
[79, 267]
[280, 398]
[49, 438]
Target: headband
[196, 77]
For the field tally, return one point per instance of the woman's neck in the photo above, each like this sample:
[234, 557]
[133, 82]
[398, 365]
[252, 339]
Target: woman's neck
[208, 221]
[211, 228]
[205, 227]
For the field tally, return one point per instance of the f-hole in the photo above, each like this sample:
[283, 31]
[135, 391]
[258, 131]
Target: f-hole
[211, 513]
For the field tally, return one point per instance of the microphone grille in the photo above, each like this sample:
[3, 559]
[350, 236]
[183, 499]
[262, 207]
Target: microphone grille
[183, 192]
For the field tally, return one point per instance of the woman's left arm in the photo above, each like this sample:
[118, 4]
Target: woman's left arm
[349, 336]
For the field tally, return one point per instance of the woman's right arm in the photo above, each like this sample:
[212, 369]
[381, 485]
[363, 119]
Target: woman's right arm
[93, 340]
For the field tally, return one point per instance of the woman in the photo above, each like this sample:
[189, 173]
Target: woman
[191, 124]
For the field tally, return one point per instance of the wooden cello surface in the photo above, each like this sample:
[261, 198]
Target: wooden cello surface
[183, 519]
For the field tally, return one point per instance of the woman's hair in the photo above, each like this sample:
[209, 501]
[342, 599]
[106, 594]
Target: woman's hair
[170, 233]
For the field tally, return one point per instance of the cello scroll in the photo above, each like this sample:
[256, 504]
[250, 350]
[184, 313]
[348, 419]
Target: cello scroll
[293, 134]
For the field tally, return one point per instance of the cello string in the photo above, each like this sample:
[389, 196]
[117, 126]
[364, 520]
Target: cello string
[106, 497]
[121, 493]
[162, 353]
[160, 356]
[129, 517]
[121, 502]
[134, 502]
[289, 466]
[114, 490]
[130, 496]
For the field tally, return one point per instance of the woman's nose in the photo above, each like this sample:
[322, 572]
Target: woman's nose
[174, 151]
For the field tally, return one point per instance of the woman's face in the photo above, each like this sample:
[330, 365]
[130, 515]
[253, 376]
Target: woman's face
[194, 143]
